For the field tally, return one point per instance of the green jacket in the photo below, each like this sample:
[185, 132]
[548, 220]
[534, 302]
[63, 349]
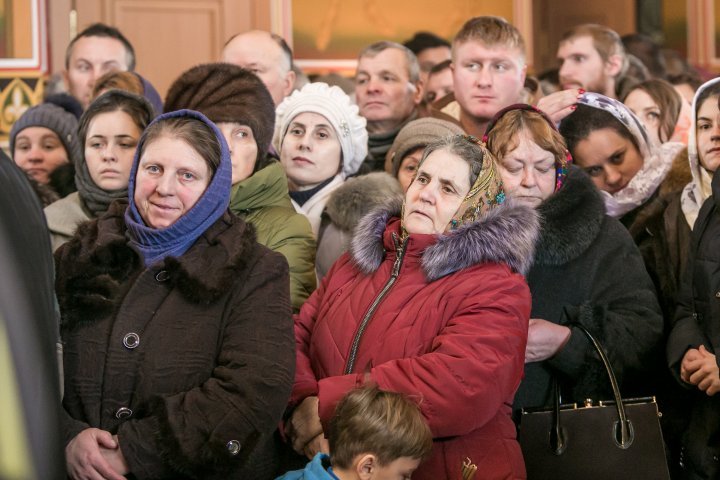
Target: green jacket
[263, 201]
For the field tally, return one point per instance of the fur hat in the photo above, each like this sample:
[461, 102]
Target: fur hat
[333, 104]
[419, 134]
[57, 119]
[226, 93]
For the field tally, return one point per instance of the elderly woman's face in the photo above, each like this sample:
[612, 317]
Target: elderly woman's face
[528, 172]
[441, 184]
[610, 159]
[171, 178]
[311, 151]
[110, 149]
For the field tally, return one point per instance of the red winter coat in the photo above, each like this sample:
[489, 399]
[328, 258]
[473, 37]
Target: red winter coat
[450, 332]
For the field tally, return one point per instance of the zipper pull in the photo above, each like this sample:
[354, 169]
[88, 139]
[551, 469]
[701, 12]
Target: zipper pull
[399, 251]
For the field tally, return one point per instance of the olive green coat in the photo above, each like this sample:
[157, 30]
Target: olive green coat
[263, 201]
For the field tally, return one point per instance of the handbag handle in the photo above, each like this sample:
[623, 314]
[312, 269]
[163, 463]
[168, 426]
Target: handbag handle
[624, 437]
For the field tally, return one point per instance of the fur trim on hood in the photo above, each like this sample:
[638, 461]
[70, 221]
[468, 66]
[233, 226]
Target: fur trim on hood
[358, 196]
[505, 234]
[571, 220]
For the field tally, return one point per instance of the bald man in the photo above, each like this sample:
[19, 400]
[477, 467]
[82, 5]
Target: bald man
[267, 56]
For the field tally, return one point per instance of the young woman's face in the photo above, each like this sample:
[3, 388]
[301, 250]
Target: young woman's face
[311, 151]
[39, 151]
[649, 113]
[610, 159]
[708, 134]
[528, 172]
[171, 178]
[439, 188]
[243, 149]
[112, 138]
[408, 167]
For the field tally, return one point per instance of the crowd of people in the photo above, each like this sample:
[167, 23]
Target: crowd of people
[262, 270]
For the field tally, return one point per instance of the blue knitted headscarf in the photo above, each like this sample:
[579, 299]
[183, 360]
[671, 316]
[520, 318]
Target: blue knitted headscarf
[157, 244]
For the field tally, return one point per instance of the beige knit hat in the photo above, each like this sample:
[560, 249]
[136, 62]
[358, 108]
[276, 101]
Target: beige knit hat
[418, 133]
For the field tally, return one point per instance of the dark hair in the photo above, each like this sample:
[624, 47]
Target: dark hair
[439, 67]
[102, 30]
[192, 131]
[462, 146]
[385, 424]
[425, 40]
[135, 106]
[668, 101]
[577, 126]
[691, 77]
[647, 50]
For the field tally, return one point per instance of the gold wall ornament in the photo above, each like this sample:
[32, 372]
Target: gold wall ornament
[17, 94]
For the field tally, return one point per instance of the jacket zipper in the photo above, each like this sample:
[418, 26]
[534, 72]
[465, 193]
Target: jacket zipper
[400, 248]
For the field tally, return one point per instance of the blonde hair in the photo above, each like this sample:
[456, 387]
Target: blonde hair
[503, 138]
[491, 31]
[385, 424]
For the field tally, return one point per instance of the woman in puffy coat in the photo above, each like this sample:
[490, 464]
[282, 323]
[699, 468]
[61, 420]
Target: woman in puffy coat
[430, 302]
[580, 246]
[176, 322]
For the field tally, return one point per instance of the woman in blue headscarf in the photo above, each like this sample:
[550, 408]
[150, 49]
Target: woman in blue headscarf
[179, 350]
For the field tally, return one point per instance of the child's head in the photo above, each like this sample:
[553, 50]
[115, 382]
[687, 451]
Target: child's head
[378, 435]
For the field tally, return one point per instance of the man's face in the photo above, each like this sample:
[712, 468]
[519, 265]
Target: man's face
[384, 93]
[487, 78]
[438, 85]
[257, 51]
[581, 66]
[430, 57]
[92, 57]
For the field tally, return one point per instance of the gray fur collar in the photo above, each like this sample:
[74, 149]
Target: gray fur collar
[359, 195]
[570, 220]
[504, 235]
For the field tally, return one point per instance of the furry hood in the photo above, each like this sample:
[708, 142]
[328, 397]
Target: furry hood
[571, 220]
[506, 234]
[360, 195]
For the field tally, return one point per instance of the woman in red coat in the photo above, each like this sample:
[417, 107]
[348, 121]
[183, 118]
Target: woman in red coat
[431, 302]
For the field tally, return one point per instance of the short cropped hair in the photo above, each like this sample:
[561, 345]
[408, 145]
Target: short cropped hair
[385, 424]
[102, 30]
[490, 31]
[410, 58]
[605, 40]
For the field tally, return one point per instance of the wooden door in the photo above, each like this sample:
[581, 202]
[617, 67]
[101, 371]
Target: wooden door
[169, 36]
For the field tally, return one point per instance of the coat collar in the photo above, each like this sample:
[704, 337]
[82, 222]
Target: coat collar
[505, 234]
[570, 220]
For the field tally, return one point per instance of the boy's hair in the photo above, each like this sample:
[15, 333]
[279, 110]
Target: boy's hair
[385, 424]
[424, 40]
[491, 31]
[102, 30]
[605, 40]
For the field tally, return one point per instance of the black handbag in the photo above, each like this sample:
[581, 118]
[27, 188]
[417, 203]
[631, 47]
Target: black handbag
[615, 439]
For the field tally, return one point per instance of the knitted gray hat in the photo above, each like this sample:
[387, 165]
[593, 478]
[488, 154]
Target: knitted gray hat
[50, 116]
[419, 133]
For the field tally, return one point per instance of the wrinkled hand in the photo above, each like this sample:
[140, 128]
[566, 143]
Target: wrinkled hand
[304, 424]
[87, 453]
[317, 445]
[545, 339]
[701, 369]
[560, 104]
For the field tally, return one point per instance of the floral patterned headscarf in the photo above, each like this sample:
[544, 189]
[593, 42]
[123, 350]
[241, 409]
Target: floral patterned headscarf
[485, 194]
[657, 159]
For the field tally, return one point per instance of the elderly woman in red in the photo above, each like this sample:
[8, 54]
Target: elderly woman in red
[431, 302]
